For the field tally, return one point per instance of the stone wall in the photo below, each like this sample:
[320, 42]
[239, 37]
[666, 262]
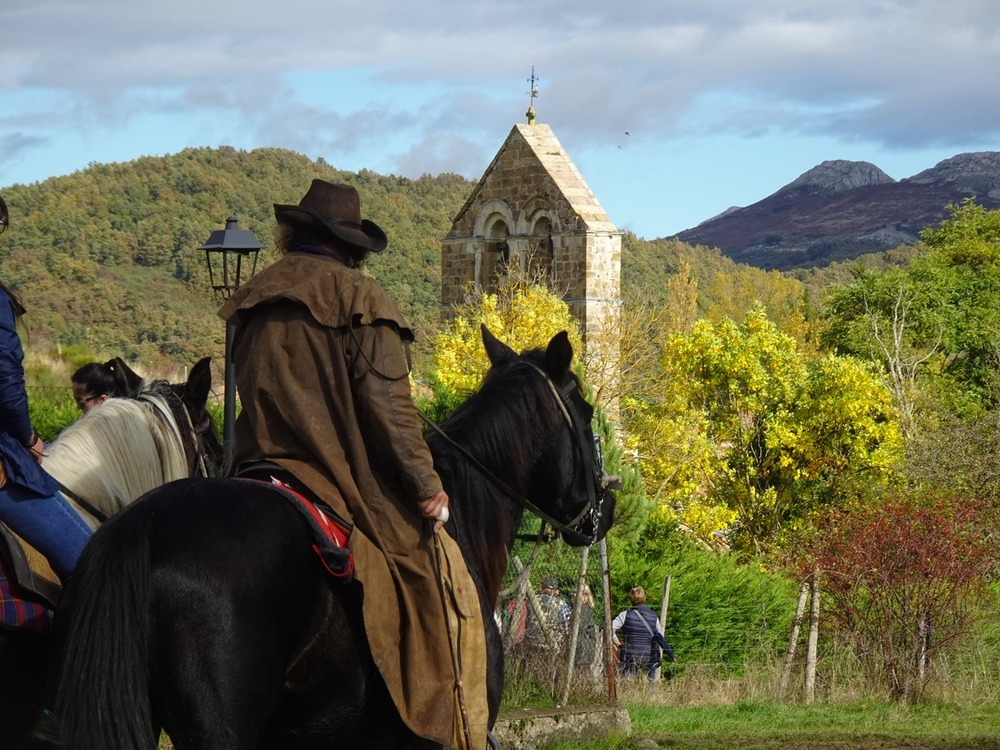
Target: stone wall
[527, 730]
[533, 210]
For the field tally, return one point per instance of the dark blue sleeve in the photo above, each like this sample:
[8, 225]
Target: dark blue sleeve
[668, 652]
[13, 397]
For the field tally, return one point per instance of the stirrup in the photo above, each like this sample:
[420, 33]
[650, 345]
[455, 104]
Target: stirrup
[48, 729]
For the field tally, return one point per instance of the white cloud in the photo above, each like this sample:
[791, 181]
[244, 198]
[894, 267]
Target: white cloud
[434, 85]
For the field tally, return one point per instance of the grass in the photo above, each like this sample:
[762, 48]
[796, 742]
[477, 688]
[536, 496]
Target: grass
[752, 725]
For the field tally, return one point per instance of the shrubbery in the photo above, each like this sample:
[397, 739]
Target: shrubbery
[903, 580]
[52, 411]
[720, 612]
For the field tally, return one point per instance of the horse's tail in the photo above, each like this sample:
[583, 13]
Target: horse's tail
[102, 627]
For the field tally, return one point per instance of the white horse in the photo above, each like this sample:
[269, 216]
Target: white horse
[108, 458]
[121, 450]
[118, 452]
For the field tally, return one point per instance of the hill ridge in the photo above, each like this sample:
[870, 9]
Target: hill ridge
[841, 209]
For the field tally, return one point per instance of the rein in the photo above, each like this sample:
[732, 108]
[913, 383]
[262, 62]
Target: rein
[99, 515]
[593, 507]
[198, 465]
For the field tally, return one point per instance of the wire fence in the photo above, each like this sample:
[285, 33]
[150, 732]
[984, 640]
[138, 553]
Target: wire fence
[554, 619]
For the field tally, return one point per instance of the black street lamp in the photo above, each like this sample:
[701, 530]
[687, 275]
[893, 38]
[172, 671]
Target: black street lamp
[227, 252]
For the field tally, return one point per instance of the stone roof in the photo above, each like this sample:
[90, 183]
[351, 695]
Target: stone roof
[538, 142]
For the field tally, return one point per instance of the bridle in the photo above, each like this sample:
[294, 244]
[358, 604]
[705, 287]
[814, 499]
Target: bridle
[190, 437]
[593, 460]
[200, 464]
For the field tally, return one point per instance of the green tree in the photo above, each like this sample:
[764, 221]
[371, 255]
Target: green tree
[933, 326]
[721, 611]
[748, 433]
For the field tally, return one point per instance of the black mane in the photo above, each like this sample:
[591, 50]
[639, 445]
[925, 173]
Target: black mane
[491, 426]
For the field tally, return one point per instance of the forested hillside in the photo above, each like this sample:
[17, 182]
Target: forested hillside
[107, 259]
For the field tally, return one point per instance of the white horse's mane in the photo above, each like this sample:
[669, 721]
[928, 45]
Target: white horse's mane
[118, 451]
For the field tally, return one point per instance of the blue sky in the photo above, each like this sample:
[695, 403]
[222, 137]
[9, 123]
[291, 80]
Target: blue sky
[673, 110]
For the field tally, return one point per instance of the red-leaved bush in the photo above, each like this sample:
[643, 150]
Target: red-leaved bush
[901, 579]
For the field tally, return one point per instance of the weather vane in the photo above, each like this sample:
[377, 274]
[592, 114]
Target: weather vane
[532, 94]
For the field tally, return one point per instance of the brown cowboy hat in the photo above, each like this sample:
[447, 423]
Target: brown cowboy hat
[336, 208]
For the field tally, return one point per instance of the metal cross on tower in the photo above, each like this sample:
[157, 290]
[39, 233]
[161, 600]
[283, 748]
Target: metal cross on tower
[532, 94]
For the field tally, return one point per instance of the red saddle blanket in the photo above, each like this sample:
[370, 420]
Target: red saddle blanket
[18, 613]
[330, 533]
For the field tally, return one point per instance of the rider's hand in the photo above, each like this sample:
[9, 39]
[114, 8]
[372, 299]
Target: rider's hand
[435, 509]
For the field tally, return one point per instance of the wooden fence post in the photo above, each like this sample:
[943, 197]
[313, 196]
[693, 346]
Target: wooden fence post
[609, 657]
[536, 608]
[574, 625]
[810, 696]
[664, 604]
[793, 638]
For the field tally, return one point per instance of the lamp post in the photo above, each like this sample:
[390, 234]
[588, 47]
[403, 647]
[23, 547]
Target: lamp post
[227, 253]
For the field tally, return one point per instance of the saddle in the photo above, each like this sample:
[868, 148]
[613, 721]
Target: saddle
[330, 531]
[29, 589]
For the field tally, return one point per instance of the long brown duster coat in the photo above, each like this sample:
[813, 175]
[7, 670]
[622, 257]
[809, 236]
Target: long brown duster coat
[322, 378]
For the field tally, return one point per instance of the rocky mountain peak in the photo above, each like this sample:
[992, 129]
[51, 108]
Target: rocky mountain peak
[842, 209]
[836, 176]
[976, 173]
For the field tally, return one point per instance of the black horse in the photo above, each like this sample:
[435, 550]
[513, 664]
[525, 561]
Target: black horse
[202, 609]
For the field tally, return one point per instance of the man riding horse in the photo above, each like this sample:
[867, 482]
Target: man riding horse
[323, 379]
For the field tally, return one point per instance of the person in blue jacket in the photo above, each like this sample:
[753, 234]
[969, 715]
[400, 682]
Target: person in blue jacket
[30, 503]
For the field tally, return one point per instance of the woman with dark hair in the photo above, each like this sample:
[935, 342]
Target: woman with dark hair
[95, 383]
[30, 503]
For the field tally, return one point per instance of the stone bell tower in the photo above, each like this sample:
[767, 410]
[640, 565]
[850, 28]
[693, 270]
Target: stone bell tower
[532, 208]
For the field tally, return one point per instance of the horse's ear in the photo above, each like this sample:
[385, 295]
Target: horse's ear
[496, 350]
[199, 383]
[126, 376]
[558, 355]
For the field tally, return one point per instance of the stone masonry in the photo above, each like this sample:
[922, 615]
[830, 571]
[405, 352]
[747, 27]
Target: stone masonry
[532, 208]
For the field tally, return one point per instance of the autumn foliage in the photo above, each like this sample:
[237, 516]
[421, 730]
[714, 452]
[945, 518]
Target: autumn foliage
[751, 435]
[901, 579]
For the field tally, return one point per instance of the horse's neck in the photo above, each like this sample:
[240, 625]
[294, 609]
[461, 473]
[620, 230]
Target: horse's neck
[487, 522]
[490, 502]
[115, 454]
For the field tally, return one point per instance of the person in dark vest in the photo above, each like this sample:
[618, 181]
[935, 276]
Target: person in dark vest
[639, 633]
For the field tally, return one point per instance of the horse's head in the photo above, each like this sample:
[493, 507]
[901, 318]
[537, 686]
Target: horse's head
[574, 494]
[194, 396]
[187, 402]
